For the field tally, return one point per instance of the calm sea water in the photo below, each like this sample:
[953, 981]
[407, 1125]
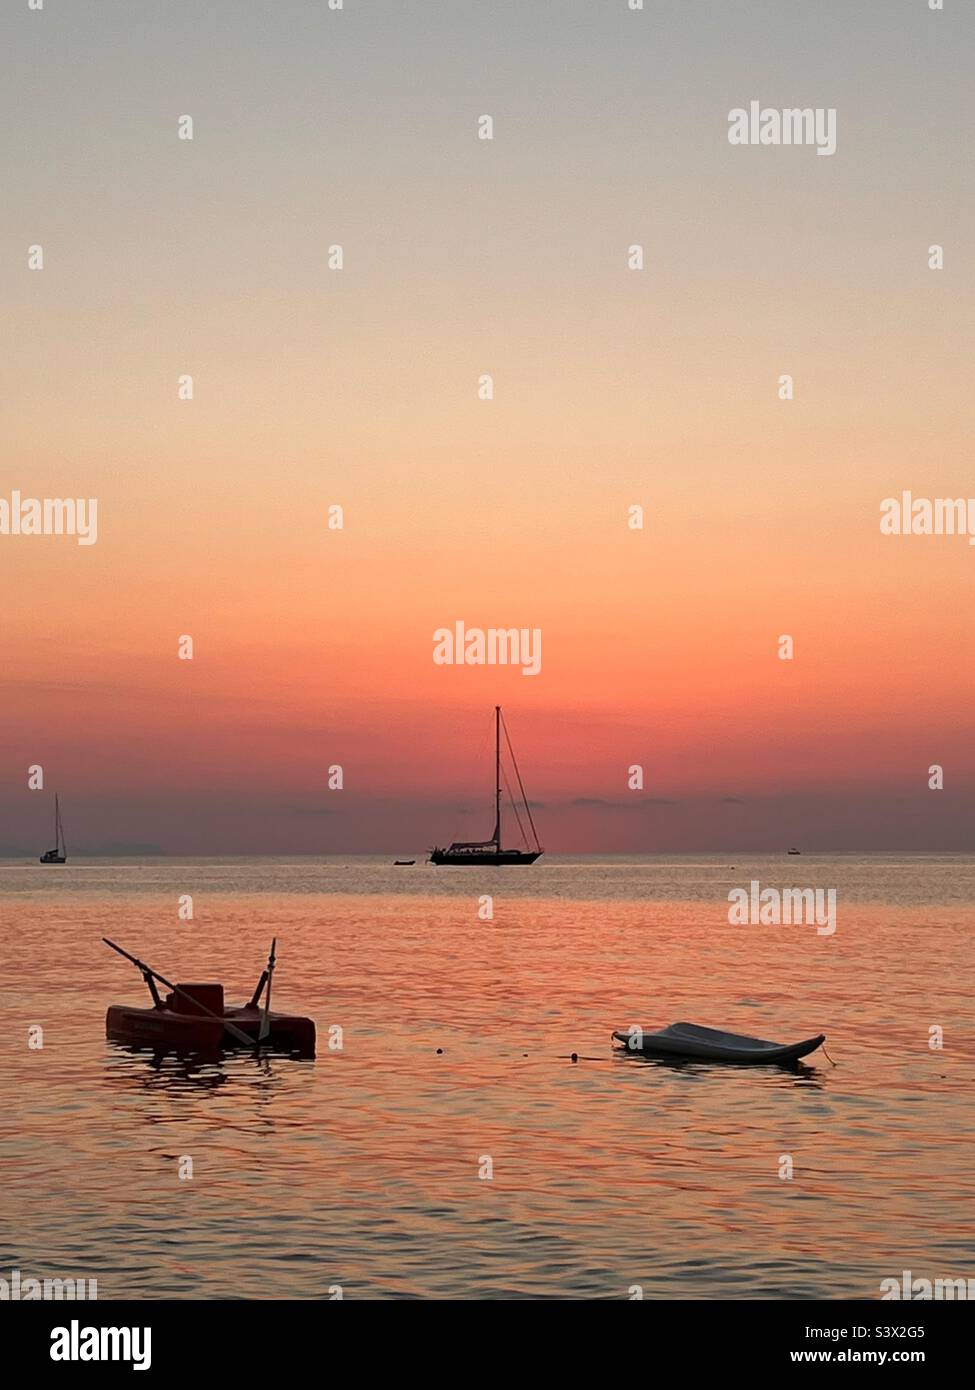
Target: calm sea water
[361, 1169]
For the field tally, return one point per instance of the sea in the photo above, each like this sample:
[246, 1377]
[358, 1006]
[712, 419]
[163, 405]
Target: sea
[468, 1129]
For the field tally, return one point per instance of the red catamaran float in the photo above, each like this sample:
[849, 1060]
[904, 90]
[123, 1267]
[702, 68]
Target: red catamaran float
[194, 1018]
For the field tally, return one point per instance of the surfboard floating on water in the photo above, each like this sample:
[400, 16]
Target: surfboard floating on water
[711, 1045]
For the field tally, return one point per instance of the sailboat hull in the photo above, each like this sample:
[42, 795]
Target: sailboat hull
[52, 858]
[482, 857]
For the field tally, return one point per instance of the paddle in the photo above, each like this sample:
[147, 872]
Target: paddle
[266, 1020]
[154, 974]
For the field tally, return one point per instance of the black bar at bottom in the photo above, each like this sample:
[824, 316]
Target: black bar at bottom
[187, 1340]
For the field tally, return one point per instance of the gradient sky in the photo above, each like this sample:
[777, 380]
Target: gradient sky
[358, 387]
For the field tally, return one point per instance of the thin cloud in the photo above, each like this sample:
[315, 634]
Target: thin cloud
[623, 805]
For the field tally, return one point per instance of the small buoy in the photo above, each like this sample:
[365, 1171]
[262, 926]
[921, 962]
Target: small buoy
[575, 1056]
[439, 1051]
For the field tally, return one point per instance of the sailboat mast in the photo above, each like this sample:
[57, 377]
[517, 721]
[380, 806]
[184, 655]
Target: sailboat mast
[497, 774]
[57, 825]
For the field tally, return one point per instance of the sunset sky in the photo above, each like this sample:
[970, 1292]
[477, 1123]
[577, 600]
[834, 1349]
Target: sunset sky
[358, 387]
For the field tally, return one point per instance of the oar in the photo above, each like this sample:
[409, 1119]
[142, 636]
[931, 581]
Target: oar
[266, 1020]
[146, 970]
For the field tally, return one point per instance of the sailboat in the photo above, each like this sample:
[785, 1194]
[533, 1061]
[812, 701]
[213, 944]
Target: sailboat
[491, 851]
[59, 853]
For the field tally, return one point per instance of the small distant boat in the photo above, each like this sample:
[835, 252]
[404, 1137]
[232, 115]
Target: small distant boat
[795, 851]
[403, 863]
[59, 854]
[689, 1040]
[491, 851]
[194, 1018]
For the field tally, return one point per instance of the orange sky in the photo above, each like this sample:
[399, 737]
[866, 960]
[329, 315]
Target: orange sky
[359, 387]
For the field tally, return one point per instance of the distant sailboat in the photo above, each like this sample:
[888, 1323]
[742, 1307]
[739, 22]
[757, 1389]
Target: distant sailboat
[491, 851]
[59, 853]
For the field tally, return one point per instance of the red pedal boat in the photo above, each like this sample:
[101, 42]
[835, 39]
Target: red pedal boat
[194, 1018]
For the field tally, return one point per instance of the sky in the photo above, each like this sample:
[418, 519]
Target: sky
[315, 387]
